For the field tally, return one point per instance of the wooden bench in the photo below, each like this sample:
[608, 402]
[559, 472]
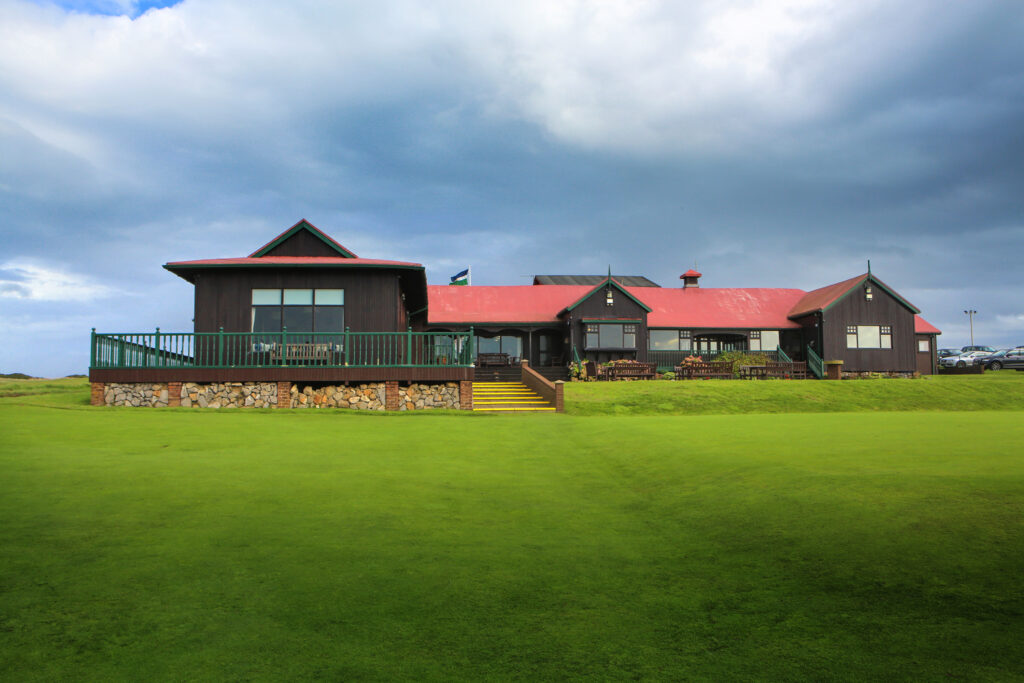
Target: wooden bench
[781, 370]
[753, 371]
[631, 371]
[492, 360]
[314, 354]
[714, 369]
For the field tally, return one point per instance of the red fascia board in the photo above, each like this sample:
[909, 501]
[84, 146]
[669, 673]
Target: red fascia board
[317, 232]
[298, 261]
[183, 269]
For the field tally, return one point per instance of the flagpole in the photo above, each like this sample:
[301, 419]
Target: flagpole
[469, 276]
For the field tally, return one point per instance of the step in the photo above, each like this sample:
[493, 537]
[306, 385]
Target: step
[508, 397]
[548, 409]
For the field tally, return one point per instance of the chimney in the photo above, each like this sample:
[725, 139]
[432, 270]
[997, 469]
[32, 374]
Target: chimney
[690, 278]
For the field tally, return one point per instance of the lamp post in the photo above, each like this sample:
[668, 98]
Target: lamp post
[970, 313]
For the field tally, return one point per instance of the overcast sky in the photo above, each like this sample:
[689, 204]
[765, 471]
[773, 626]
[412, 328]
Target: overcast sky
[770, 143]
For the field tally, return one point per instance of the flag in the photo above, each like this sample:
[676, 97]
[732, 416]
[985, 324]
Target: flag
[461, 278]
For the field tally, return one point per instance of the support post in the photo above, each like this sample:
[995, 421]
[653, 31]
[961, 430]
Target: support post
[284, 394]
[96, 390]
[833, 369]
[466, 395]
[174, 394]
[391, 395]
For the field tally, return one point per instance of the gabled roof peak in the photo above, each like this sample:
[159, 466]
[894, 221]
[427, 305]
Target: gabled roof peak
[302, 225]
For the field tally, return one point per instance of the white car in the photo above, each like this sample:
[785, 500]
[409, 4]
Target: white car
[963, 360]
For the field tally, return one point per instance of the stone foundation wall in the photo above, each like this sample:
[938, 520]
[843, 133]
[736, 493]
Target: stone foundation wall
[428, 396]
[135, 394]
[368, 396]
[229, 395]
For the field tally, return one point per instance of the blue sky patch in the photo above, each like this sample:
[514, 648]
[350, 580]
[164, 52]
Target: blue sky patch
[112, 8]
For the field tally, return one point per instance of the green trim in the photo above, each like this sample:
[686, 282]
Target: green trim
[315, 231]
[612, 282]
[221, 349]
[612, 320]
[877, 282]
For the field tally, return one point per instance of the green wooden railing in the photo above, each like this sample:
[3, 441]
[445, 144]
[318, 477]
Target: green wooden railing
[783, 358]
[281, 349]
[815, 364]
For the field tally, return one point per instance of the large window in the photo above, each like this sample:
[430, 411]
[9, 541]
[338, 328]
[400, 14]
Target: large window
[298, 310]
[668, 340]
[763, 340]
[611, 336]
[510, 344]
[868, 337]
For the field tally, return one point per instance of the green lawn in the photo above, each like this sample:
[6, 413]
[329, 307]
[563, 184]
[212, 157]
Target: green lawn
[1002, 390]
[176, 544]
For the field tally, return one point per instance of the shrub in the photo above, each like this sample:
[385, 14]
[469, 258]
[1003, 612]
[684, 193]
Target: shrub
[739, 358]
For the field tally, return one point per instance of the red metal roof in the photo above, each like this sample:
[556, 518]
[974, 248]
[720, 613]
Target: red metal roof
[722, 308]
[290, 261]
[821, 298]
[690, 273]
[922, 326]
[749, 308]
[501, 304]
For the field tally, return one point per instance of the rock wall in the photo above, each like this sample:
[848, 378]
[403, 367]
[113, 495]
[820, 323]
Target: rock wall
[428, 396]
[368, 396]
[358, 397]
[135, 394]
[229, 395]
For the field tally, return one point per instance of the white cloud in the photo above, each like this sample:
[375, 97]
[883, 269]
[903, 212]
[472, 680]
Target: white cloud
[629, 75]
[31, 281]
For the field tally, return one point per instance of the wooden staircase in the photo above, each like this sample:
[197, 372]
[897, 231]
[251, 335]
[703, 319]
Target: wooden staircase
[508, 397]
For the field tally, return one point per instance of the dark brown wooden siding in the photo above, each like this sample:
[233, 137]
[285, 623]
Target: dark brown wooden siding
[373, 298]
[926, 361]
[594, 308]
[882, 310]
[303, 243]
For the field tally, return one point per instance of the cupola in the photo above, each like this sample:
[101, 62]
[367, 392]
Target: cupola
[690, 279]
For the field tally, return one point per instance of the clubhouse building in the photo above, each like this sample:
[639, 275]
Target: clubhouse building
[304, 316]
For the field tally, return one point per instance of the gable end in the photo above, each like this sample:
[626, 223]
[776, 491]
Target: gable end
[302, 239]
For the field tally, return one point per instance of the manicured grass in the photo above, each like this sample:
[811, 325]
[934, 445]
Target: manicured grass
[176, 544]
[1002, 390]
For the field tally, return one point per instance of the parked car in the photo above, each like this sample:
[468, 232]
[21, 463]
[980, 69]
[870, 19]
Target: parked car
[942, 353]
[963, 360]
[1007, 358]
[989, 349]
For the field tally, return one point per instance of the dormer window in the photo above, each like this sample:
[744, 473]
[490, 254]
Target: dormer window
[868, 295]
[609, 297]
